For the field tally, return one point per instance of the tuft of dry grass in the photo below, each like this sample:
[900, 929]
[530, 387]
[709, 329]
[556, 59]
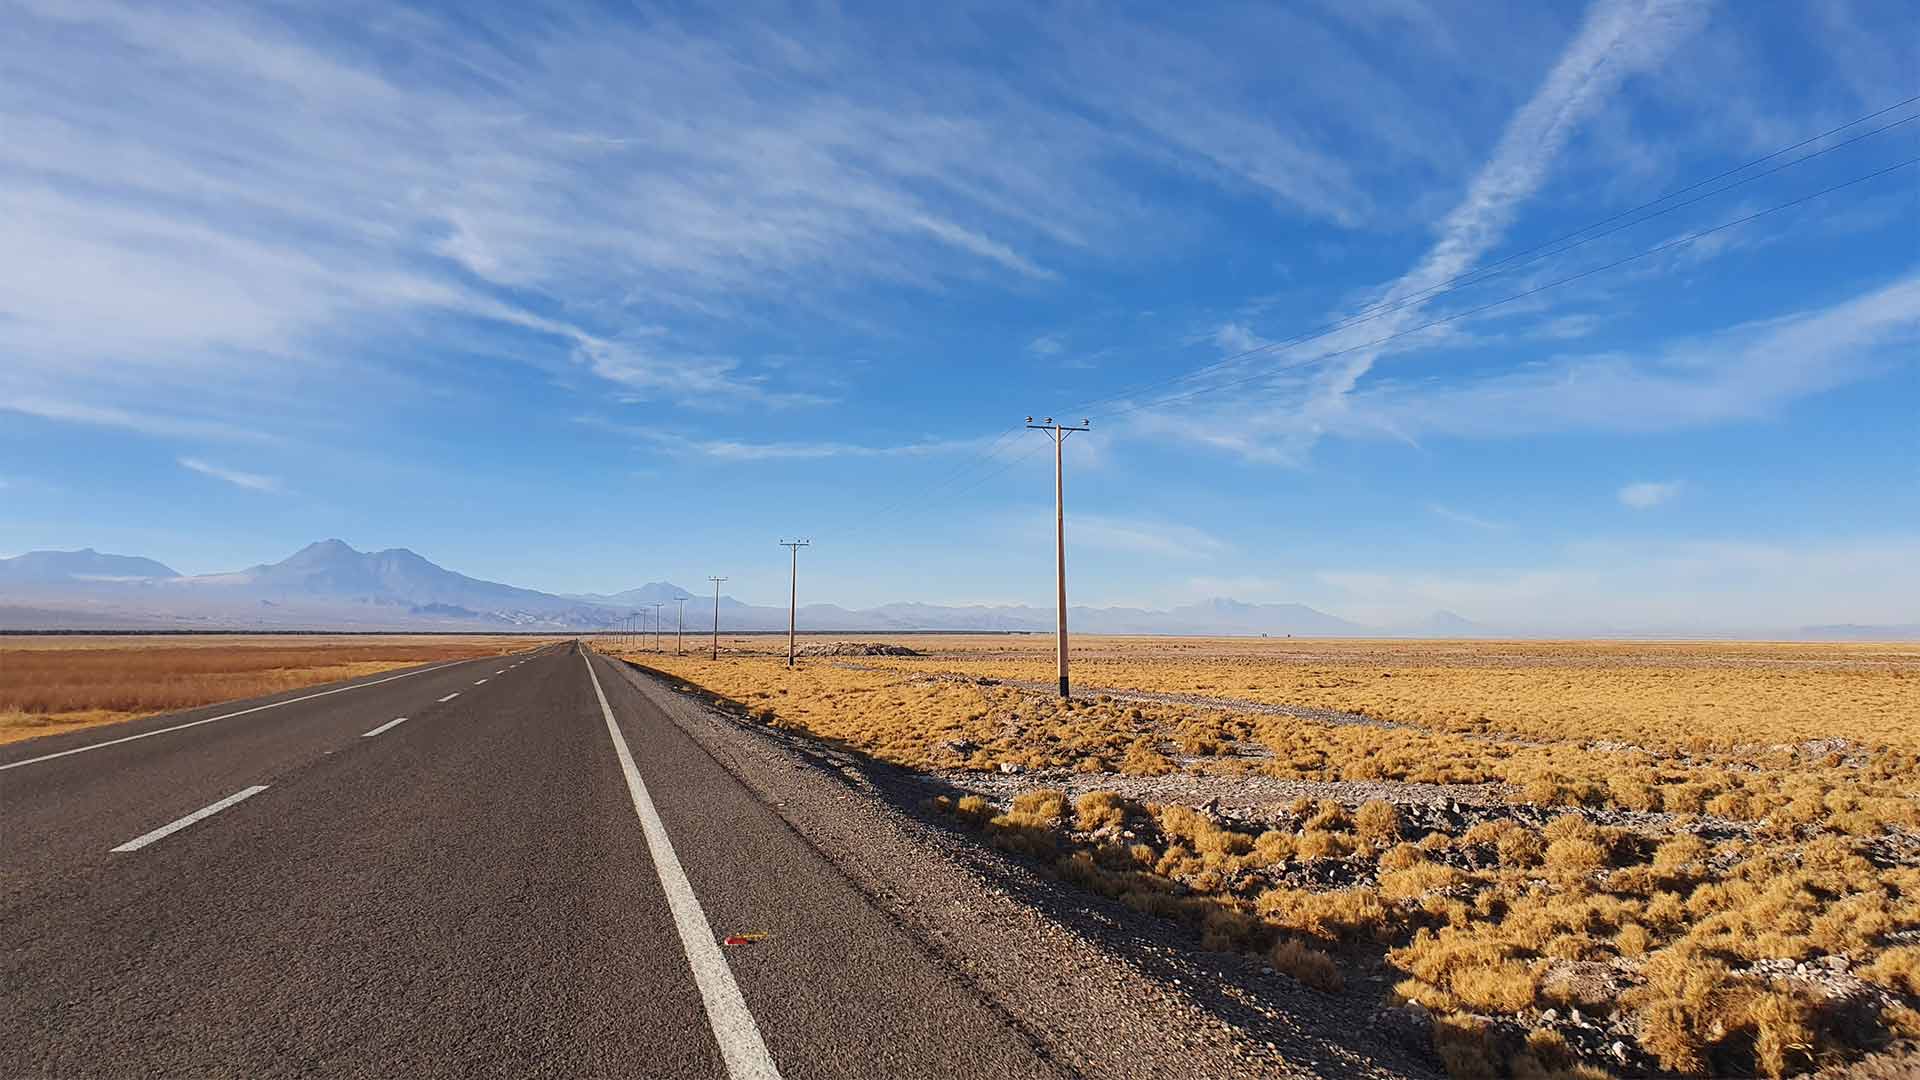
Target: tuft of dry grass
[1306, 964]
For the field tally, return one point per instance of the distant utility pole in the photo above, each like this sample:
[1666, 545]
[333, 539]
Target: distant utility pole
[657, 605]
[680, 628]
[716, 615]
[1059, 433]
[793, 595]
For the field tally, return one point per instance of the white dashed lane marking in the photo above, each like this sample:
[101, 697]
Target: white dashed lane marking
[172, 827]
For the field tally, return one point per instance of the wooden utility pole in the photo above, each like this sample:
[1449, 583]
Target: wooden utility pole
[680, 627]
[1059, 433]
[657, 605]
[716, 615]
[793, 591]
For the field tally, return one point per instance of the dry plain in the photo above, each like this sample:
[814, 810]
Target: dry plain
[1554, 858]
[51, 683]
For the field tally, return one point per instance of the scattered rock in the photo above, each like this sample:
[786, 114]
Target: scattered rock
[856, 648]
[1410, 1024]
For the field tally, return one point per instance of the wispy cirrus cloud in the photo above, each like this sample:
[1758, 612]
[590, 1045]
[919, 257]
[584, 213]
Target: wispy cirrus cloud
[1616, 40]
[687, 444]
[1647, 494]
[248, 480]
[1141, 536]
[1741, 373]
[141, 421]
[265, 192]
[1649, 586]
[1461, 517]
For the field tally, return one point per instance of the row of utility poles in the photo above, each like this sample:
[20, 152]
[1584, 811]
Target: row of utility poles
[633, 625]
[793, 598]
[1058, 432]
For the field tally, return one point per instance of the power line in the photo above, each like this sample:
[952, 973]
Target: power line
[919, 494]
[973, 472]
[1668, 246]
[991, 473]
[1530, 255]
[1008, 463]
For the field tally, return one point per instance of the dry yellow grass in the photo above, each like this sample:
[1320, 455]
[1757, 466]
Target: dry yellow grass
[51, 684]
[1807, 850]
[1650, 693]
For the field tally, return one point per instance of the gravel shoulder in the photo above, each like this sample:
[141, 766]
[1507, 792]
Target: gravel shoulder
[1097, 988]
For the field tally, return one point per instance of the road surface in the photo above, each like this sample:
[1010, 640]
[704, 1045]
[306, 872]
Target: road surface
[513, 866]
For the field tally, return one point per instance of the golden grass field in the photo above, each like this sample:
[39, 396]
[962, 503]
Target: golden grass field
[1713, 848]
[55, 683]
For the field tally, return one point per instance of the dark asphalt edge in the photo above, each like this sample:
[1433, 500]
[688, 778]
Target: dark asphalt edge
[928, 947]
[55, 742]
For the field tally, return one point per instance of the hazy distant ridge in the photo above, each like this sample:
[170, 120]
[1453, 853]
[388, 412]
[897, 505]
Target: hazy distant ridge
[330, 585]
[61, 567]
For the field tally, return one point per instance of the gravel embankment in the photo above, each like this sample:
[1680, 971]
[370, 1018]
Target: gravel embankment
[1101, 990]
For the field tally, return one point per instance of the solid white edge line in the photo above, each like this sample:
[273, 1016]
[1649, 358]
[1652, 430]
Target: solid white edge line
[449, 697]
[741, 1047]
[172, 827]
[226, 716]
[388, 726]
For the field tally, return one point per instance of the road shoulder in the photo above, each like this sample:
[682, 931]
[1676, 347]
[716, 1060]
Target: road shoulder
[1073, 973]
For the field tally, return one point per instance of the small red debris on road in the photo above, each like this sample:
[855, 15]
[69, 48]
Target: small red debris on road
[744, 939]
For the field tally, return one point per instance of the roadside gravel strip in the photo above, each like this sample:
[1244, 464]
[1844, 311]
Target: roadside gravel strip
[1097, 988]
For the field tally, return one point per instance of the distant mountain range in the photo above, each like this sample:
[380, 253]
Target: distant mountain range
[330, 585]
[68, 567]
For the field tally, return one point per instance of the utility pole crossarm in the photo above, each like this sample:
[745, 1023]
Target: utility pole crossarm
[1059, 432]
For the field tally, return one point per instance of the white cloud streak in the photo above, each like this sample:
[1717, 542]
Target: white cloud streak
[1461, 517]
[1647, 494]
[1134, 536]
[1617, 39]
[739, 450]
[145, 423]
[1658, 586]
[1742, 373]
[250, 481]
[262, 192]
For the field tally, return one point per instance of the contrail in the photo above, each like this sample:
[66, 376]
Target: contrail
[1617, 38]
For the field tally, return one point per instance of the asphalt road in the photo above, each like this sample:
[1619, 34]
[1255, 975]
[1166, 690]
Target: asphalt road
[482, 889]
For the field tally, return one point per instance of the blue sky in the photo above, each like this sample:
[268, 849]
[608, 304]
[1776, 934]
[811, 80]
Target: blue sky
[581, 297]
